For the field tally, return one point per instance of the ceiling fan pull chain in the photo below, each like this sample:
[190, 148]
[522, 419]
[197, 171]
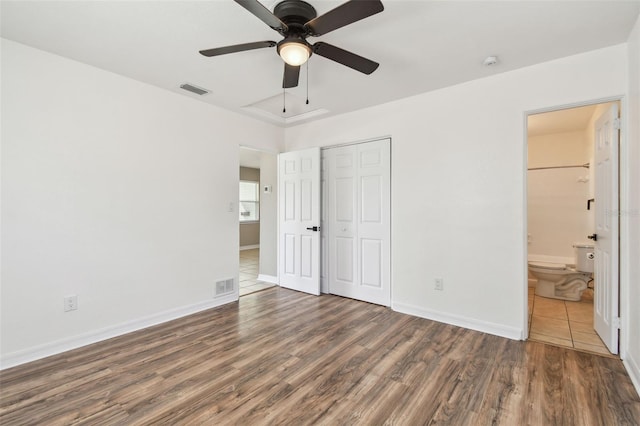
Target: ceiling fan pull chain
[284, 100]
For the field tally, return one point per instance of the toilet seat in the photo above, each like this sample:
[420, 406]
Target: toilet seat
[548, 265]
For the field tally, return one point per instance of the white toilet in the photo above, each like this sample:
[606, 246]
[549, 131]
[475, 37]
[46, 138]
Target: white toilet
[560, 281]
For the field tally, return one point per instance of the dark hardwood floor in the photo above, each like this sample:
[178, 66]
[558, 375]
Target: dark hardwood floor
[282, 357]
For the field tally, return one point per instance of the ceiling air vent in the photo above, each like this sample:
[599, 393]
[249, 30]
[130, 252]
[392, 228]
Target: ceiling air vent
[194, 89]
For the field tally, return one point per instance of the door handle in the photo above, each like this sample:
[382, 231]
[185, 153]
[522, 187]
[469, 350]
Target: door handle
[314, 228]
[593, 237]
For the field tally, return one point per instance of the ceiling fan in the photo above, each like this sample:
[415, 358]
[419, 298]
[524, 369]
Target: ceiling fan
[296, 20]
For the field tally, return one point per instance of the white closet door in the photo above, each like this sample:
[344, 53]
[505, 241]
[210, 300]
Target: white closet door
[358, 217]
[299, 213]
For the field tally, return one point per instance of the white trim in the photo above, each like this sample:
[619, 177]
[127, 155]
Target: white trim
[524, 298]
[633, 369]
[66, 344]
[358, 142]
[626, 304]
[251, 247]
[268, 278]
[460, 321]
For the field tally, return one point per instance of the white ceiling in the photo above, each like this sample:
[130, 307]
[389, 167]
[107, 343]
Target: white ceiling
[421, 46]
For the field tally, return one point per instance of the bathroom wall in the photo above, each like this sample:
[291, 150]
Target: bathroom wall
[249, 232]
[557, 198]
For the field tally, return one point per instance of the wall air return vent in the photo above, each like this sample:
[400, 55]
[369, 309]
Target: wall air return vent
[194, 89]
[223, 287]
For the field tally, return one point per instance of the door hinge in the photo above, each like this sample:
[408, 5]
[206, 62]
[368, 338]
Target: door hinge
[616, 124]
[616, 323]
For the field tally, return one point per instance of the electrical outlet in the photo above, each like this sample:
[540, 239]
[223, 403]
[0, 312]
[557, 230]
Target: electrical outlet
[70, 303]
[439, 284]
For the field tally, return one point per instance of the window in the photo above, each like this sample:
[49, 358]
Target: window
[249, 201]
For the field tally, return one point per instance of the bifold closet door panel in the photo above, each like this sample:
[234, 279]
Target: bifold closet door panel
[358, 219]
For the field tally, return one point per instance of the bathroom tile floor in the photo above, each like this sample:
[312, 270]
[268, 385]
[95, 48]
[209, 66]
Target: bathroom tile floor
[249, 262]
[563, 323]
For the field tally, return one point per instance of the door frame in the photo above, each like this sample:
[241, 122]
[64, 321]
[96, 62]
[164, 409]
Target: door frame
[273, 279]
[623, 224]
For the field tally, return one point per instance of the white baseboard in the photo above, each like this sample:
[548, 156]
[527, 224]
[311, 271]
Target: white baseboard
[513, 333]
[251, 247]
[268, 278]
[63, 345]
[633, 368]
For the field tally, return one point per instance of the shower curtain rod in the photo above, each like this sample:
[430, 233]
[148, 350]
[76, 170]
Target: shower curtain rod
[585, 165]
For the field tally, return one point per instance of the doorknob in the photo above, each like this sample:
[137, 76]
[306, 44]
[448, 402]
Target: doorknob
[314, 228]
[593, 237]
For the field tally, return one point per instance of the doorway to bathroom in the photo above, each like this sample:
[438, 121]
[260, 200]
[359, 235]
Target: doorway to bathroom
[572, 187]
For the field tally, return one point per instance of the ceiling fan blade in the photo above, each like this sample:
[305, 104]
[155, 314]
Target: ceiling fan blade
[345, 14]
[291, 76]
[237, 48]
[346, 58]
[264, 14]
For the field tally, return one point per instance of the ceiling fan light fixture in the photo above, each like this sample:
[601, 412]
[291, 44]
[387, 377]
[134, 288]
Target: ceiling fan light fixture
[294, 52]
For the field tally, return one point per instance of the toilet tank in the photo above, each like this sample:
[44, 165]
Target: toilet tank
[584, 257]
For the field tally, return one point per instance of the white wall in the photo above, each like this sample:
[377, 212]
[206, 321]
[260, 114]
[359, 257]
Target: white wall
[458, 190]
[269, 217]
[557, 212]
[115, 191]
[630, 216]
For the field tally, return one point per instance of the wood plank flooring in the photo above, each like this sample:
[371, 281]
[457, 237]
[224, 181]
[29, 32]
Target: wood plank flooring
[283, 357]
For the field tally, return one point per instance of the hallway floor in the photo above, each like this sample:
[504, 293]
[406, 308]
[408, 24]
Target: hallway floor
[249, 264]
[564, 323]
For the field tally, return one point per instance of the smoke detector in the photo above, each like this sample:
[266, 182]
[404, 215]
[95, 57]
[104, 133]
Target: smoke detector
[490, 60]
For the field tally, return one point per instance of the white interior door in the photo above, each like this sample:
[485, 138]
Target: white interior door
[605, 306]
[357, 207]
[299, 220]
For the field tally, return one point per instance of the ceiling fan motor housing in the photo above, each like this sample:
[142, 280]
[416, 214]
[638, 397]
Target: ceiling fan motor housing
[295, 13]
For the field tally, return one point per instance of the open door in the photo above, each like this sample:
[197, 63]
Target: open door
[299, 220]
[606, 291]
